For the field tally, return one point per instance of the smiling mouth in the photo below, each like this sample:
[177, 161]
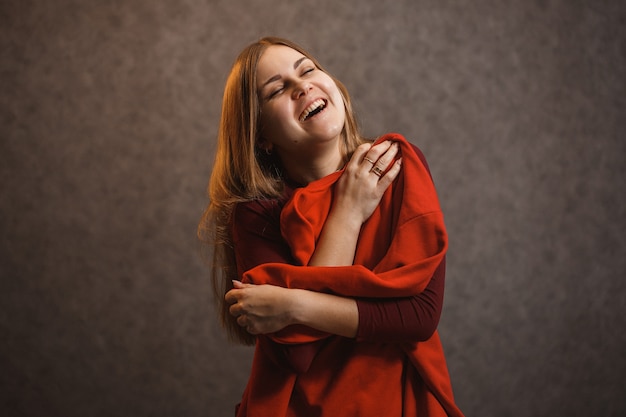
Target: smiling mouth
[313, 109]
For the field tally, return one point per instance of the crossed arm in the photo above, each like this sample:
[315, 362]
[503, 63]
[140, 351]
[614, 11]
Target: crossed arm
[266, 308]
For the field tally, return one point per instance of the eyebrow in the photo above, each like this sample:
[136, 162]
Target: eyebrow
[298, 62]
[278, 77]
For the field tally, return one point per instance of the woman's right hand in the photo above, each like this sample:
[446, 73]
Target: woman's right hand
[370, 171]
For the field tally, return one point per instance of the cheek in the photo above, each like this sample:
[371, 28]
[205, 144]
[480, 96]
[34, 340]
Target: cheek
[336, 96]
[339, 104]
[272, 122]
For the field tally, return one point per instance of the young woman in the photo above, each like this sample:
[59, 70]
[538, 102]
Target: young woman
[329, 250]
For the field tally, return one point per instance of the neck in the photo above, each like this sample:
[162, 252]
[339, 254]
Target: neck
[308, 169]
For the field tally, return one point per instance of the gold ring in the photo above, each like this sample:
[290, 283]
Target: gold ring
[377, 171]
[369, 160]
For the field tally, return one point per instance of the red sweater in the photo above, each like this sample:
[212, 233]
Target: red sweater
[401, 247]
[258, 240]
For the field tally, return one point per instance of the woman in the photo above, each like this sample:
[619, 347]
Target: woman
[328, 249]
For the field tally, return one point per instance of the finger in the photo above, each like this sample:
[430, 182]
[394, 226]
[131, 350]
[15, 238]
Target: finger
[386, 180]
[376, 151]
[236, 310]
[241, 285]
[232, 296]
[388, 157]
[385, 161]
[382, 146]
[250, 327]
[359, 152]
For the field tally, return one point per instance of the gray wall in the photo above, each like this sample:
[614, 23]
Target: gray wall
[108, 112]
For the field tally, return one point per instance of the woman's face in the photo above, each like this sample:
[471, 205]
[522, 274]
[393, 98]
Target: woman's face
[301, 106]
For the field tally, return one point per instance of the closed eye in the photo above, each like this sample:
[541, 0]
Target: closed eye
[279, 89]
[275, 92]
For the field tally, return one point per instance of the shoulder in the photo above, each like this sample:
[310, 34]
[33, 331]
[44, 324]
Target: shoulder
[258, 213]
[409, 145]
[420, 155]
[254, 210]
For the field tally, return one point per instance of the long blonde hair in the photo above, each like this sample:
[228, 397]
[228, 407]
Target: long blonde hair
[243, 172]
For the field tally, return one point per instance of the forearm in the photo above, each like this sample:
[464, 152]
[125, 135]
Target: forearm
[335, 247]
[410, 319]
[338, 240]
[326, 312]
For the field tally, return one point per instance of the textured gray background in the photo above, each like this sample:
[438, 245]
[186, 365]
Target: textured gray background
[108, 112]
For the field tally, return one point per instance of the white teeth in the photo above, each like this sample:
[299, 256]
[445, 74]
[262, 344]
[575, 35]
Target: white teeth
[313, 106]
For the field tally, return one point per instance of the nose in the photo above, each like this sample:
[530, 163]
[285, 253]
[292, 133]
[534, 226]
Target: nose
[301, 89]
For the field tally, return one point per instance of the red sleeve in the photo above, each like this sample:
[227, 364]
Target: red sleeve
[413, 319]
[256, 234]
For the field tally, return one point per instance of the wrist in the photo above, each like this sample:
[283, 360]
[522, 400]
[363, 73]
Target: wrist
[326, 313]
[297, 307]
[346, 216]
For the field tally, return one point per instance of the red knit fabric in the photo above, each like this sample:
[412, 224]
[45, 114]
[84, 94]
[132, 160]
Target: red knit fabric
[400, 247]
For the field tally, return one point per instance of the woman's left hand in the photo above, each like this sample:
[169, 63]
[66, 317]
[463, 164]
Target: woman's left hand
[260, 309]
